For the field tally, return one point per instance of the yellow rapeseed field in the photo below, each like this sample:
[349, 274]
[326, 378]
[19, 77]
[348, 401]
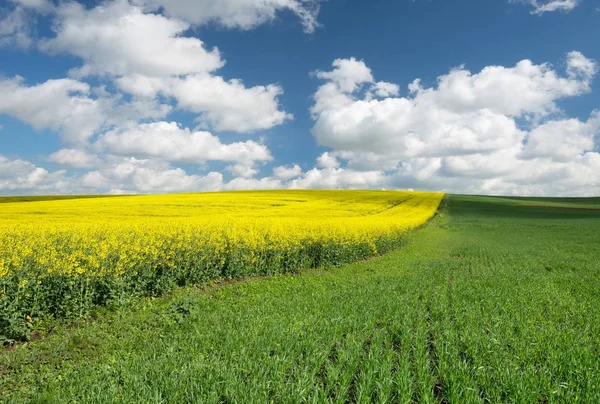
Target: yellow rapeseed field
[155, 240]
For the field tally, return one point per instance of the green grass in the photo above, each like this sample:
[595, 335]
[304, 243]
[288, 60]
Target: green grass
[491, 302]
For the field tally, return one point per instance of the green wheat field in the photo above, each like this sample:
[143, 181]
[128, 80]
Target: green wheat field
[494, 300]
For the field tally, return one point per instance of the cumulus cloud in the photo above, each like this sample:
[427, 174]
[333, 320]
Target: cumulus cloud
[113, 174]
[18, 20]
[222, 105]
[496, 131]
[544, 6]
[170, 142]
[228, 105]
[578, 66]
[116, 38]
[148, 54]
[385, 89]
[61, 105]
[501, 173]
[465, 113]
[74, 158]
[23, 177]
[16, 27]
[242, 170]
[337, 178]
[243, 14]
[131, 175]
[347, 74]
[68, 106]
[327, 160]
[286, 173]
[562, 140]
[252, 184]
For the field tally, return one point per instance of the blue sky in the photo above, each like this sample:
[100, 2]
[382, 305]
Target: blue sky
[176, 96]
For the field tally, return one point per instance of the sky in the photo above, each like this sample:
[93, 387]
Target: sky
[497, 97]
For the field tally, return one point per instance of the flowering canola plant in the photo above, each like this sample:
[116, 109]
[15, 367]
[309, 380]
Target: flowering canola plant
[62, 257]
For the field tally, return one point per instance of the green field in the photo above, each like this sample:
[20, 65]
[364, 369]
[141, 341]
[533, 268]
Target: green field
[496, 300]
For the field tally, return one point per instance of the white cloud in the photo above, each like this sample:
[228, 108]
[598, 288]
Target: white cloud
[327, 160]
[61, 105]
[327, 97]
[130, 175]
[285, 173]
[222, 105]
[242, 170]
[252, 184]
[38, 5]
[348, 74]
[147, 55]
[336, 178]
[67, 106]
[228, 105]
[169, 142]
[385, 89]
[74, 158]
[544, 6]
[466, 113]
[562, 140]
[503, 173]
[464, 135]
[18, 21]
[365, 161]
[118, 39]
[113, 175]
[523, 89]
[23, 177]
[16, 27]
[578, 66]
[244, 14]
[142, 86]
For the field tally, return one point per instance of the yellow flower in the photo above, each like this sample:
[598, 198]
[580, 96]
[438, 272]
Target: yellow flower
[100, 236]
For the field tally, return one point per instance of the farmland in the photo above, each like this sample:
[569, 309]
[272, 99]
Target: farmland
[495, 300]
[64, 257]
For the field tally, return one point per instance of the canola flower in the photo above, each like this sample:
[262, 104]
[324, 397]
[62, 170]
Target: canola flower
[62, 257]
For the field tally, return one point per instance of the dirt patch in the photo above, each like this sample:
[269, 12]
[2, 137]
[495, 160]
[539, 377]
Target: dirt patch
[36, 335]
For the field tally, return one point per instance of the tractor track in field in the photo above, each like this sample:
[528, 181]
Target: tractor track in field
[561, 207]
